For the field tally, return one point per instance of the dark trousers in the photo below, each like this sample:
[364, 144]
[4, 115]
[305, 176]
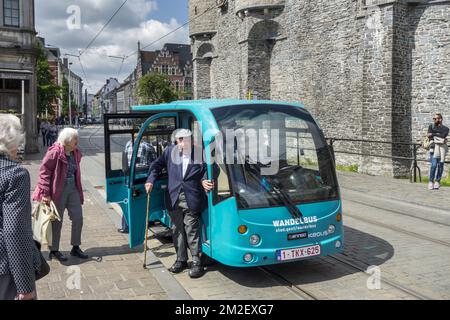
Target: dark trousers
[70, 200]
[124, 223]
[44, 138]
[185, 229]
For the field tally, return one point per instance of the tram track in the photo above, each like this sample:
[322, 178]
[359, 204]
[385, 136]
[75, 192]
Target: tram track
[384, 279]
[394, 228]
[295, 289]
[305, 294]
[398, 211]
[94, 146]
[360, 265]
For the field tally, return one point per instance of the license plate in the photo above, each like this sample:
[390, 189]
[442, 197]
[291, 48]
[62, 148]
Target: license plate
[298, 253]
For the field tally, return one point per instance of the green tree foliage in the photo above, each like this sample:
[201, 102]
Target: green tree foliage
[155, 88]
[47, 90]
[65, 99]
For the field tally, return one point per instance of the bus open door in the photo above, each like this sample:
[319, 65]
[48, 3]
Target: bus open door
[132, 143]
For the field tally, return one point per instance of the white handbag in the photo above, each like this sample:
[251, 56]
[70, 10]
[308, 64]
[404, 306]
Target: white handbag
[42, 218]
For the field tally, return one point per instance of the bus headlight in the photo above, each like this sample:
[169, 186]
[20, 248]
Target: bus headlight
[331, 229]
[248, 257]
[338, 244]
[255, 240]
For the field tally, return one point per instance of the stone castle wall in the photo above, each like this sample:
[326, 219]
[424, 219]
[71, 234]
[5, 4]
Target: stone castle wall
[372, 70]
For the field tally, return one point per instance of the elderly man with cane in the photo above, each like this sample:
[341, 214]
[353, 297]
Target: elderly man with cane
[187, 198]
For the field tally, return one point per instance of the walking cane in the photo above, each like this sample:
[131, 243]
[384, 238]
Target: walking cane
[146, 230]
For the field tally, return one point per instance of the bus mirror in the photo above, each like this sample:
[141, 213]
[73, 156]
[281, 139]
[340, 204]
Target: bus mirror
[125, 166]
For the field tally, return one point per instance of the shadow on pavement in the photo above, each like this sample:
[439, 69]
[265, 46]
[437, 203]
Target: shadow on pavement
[97, 254]
[360, 246]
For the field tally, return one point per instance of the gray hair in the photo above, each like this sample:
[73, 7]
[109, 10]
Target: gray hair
[11, 136]
[67, 135]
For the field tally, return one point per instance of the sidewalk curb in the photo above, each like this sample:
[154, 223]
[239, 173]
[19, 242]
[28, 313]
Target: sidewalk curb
[174, 290]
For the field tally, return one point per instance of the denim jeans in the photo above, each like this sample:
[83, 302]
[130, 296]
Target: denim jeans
[436, 165]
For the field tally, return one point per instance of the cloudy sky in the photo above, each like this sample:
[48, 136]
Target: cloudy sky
[144, 20]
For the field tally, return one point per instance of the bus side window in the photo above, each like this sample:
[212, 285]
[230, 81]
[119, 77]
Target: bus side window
[222, 190]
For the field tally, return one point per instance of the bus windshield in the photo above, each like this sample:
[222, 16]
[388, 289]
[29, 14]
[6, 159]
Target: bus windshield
[275, 155]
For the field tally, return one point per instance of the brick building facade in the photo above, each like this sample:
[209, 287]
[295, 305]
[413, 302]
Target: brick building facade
[173, 60]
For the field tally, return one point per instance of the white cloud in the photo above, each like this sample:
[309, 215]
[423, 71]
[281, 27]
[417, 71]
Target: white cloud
[133, 23]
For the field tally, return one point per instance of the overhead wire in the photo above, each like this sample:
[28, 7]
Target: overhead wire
[125, 57]
[173, 31]
[103, 28]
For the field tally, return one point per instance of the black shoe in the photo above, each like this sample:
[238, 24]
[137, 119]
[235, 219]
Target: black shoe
[58, 256]
[178, 266]
[76, 252]
[196, 270]
[124, 231]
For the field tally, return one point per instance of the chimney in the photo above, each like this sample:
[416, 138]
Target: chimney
[66, 62]
[139, 46]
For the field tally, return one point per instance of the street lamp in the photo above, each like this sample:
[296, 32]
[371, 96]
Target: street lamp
[70, 102]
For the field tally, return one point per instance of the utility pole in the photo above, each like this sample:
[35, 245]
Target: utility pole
[70, 102]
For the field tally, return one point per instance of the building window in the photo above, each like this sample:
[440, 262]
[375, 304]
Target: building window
[11, 13]
[174, 71]
[177, 86]
[188, 87]
[165, 69]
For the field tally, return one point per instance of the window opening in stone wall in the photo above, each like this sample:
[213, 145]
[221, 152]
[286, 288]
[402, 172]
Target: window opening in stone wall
[188, 87]
[11, 13]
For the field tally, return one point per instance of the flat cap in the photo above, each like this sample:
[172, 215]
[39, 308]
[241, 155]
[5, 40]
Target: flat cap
[183, 133]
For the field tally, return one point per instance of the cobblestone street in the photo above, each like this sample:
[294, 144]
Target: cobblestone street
[389, 224]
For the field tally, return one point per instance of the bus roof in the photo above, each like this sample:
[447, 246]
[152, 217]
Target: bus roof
[202, 110]
[209, 104]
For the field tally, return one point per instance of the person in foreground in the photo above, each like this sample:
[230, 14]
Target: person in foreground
[19, 256]
[60, 182]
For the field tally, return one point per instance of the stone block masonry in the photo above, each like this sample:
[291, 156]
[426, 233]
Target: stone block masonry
[374, 70]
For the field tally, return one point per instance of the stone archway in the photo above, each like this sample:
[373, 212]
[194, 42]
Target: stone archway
[261, 41]
[202, 71]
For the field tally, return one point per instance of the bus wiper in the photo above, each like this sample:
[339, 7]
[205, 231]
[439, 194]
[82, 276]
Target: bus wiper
[255, 169]
[293, 209]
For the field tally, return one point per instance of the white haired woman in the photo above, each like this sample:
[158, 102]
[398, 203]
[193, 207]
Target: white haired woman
[60, 182]
[19, 256]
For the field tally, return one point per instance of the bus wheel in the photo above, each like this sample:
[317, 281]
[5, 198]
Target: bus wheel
[207, 260]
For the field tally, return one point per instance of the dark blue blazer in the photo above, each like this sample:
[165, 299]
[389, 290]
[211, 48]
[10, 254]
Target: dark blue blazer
[191, 184]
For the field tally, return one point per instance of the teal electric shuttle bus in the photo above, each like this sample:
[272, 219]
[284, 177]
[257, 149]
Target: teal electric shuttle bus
[262, 210]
